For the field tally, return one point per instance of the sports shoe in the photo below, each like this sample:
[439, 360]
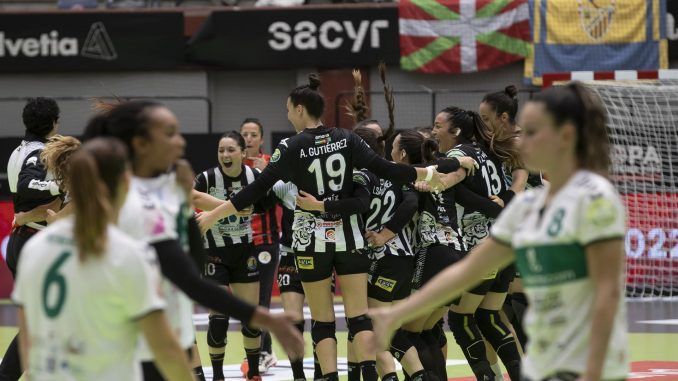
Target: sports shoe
[254, 378]
[244, 367]
[266, 361]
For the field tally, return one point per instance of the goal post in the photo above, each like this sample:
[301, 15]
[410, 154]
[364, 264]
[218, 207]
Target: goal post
[642, 109]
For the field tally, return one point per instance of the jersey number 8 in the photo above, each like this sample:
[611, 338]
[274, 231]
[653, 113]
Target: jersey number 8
[54, 281]
[333, 161]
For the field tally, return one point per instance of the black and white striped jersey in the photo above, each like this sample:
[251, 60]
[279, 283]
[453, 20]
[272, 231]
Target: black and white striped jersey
[233, 229]
[29, 182]
[392, 206]
[488, 180]
[438, 222]
[320, 161]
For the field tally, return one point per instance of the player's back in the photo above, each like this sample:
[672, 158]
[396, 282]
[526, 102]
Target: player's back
[81, 313]
[320, 161]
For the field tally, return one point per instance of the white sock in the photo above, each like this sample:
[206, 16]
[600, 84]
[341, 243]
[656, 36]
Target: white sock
[498, 376]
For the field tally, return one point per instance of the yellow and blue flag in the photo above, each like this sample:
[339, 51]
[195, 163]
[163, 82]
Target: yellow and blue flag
[596, 35]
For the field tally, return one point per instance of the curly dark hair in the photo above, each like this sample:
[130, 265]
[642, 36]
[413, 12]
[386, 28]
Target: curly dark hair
[39, 115]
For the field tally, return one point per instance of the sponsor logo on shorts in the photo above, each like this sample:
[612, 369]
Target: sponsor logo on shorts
[265, 257]
[251, 264]
[385, 283]
[305, 263]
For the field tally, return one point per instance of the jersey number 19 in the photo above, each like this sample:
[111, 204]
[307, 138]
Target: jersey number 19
[336, 175]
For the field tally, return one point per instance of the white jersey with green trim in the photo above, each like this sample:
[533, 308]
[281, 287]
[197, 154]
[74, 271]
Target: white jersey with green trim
[81, 315]
[550, 246]
[156, 210]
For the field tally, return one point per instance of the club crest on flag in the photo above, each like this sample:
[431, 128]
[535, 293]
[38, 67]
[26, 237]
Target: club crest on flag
[596, 18]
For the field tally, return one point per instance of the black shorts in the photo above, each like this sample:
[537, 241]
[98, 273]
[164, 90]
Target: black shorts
[431, 260]
[232, 264]
[314, 266]
[288, 276]
[499, 284]
[17, 239]
[390, 278]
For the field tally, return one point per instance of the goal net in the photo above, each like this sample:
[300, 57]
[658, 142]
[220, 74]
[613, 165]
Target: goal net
[643, 128]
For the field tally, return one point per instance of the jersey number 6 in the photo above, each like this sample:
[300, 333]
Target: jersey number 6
[54, 280]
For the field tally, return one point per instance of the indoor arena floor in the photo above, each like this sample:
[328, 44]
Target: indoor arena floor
[653, 342]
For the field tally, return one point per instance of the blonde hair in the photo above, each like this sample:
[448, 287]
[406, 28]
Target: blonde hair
[56, 157]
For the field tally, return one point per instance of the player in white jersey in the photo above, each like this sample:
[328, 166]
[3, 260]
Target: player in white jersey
[157, 212]
[86, 290]
[567, 238]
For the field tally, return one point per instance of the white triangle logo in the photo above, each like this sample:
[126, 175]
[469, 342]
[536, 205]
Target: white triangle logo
[98, 44]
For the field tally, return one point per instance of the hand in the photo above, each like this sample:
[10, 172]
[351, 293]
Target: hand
[245, 212]
[51, 216]
[306, 201]
[497, 200]
[469, 164]
[205, 220]
[185, 175]
[422, 186]
[258, 163]
[21, 219]
[436, 183]
[378, 239]
[289, 337]
[384, 325]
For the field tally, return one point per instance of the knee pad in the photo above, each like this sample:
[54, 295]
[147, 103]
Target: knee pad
[217, 329]
[321, 330]
[250, 332]
[358, 324]
[400, 344]
[490, 324]
[468, 336]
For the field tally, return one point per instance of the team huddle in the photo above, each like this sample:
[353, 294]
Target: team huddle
[115, 239]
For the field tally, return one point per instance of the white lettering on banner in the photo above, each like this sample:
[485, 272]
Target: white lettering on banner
[97, 45]
[48, 44]
[331, 34]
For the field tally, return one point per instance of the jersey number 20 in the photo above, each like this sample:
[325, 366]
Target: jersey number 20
[335, 168]
[54, 281]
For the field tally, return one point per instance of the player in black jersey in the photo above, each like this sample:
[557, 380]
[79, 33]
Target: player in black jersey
[499, 110]
[471, 137]
[437, 243]
[30, 187]
[388, 232]
[320, 161]
[231, 261]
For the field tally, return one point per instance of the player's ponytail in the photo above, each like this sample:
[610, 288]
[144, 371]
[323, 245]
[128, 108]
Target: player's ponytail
[580, 106]
[100, 165]
[503, 148]
[390, 104]
[55, 157]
